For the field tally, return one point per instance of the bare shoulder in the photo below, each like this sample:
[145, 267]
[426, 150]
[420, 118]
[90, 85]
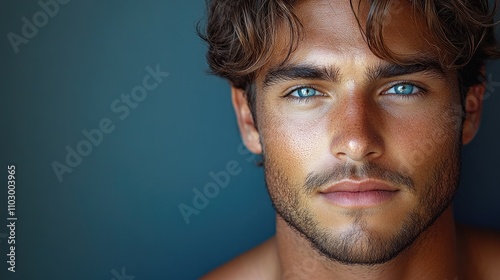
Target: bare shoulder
[482, 250]
[260, 262]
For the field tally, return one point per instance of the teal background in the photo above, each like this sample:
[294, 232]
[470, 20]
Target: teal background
[119, 207]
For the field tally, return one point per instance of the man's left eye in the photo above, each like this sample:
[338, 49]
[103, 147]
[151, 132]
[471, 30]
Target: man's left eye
[403, 89]
[304, 92]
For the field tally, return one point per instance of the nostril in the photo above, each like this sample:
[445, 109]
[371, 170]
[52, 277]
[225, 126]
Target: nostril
[341, 155]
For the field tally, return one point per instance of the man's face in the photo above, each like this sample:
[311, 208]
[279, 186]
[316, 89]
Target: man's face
[360, 155]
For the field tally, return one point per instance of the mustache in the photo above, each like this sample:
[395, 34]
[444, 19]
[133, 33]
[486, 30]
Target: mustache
[316, 180]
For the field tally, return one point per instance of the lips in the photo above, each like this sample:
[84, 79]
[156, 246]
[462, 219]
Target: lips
[363, 193]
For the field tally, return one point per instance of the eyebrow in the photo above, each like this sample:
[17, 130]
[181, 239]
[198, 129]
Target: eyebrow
[422, 65]
[290, 72]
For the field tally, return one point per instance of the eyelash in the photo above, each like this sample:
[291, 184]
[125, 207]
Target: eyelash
[289, 95]
[421, 90]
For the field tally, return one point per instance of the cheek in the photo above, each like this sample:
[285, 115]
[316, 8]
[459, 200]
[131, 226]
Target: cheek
[424, 141]
[293, 143]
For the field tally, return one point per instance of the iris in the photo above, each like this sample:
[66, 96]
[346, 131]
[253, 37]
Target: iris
[306, 92]
[404, 89]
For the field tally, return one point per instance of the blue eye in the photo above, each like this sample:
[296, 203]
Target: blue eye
[304, 92]
[403, 89]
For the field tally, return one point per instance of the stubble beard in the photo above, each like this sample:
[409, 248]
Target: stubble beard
[362, 245]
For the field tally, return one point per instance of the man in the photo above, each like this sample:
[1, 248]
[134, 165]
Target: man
[359, 110]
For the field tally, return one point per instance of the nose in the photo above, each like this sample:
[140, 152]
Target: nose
[356, 128]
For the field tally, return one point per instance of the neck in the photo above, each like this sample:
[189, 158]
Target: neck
[433, 255]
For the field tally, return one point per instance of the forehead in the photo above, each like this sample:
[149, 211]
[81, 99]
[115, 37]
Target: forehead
[330, 31]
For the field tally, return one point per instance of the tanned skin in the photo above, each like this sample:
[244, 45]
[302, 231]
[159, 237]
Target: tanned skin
[351, 115]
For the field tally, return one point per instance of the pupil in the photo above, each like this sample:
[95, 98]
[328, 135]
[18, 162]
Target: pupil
[306, 92]
[404, 89]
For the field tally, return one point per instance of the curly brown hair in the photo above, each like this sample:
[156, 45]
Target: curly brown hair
[242, 34]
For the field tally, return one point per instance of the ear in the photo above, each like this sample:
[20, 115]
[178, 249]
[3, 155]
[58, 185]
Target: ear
[473, 109]
[248, 129]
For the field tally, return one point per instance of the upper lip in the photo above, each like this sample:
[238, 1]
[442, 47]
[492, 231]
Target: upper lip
[365, 185]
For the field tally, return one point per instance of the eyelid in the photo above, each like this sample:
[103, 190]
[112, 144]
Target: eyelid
[421, 89]
[298, 87]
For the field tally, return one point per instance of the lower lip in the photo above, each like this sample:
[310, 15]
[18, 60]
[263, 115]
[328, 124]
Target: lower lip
[359, 199]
